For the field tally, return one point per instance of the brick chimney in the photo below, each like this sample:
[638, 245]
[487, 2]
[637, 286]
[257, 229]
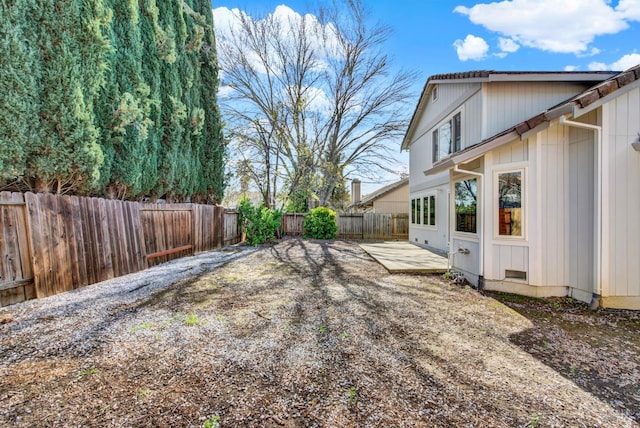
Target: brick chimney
[355, 191]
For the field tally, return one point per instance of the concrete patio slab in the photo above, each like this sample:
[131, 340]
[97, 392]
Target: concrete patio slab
[404, 257]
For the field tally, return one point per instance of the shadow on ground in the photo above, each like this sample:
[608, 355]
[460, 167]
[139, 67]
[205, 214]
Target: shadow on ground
[597, 350]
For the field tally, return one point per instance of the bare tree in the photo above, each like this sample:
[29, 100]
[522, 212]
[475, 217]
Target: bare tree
[323, 92]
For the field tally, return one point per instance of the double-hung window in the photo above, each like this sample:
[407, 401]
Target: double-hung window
[447, 138]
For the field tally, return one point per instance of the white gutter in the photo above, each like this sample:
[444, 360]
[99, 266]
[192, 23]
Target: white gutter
[597, 292]
[479, 224]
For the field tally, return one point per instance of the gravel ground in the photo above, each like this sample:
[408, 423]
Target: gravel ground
[308, 334]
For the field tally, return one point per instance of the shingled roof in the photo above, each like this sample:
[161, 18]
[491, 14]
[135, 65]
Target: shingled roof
[482, 76]
[580, 101]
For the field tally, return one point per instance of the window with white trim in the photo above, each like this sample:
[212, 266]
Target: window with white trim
[447, 138]
[429, 210]
[466, 205]
[510, 203]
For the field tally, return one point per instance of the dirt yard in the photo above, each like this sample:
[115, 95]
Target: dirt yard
[311, 334]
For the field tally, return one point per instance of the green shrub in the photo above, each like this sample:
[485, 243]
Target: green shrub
[320, 223]
[258, 223]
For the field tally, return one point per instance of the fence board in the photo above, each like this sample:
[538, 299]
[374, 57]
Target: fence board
[106, 254]
[232, 234]
[16, 273]
[292, 224]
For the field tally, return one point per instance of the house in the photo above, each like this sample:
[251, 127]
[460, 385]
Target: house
[531, 181]
[390, 199]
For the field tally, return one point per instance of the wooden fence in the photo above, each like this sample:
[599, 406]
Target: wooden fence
[50, 244]
[292, 224]
[373, 226]
[357, 226]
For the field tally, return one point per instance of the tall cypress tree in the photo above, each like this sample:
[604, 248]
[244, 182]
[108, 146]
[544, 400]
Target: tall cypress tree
[213, 148]
[73, 49]
[112, 97]
[171, 39]
[125, 105]
[18, 88]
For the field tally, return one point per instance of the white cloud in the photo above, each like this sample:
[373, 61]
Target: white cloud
[597, 66]
[571, 68]
[471, 47]
[318, 101]
[548, 26]
[226, 20]
[624, 63]
[507, 45]
[630, 9]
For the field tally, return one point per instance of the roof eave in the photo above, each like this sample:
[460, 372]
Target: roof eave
[473, 152]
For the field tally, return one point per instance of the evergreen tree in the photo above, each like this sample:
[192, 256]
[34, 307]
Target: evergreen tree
[18, 88]
[113, 97]
[125, 106]
[212, 147]
[73, 49]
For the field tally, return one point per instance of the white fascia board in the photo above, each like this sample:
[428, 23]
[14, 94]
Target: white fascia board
[550, 77]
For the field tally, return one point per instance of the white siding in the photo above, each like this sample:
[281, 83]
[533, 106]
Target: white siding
[472, 121]
[429, 236]
[506, 254]
[448, 95]
[509, 103]
[553, 211]
[622, 117]
[581, 202]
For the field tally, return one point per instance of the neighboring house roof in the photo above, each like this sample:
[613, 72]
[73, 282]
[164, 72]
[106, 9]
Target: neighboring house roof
[370, 198]
[485, 76]
[576, 106]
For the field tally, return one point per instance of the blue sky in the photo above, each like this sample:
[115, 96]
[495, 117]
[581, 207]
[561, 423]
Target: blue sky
[548, 34]
[443, 36]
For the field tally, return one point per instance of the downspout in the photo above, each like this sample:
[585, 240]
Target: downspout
[480, 176]
[597, 292]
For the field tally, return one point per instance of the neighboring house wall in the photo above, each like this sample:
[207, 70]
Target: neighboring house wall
[394, 202]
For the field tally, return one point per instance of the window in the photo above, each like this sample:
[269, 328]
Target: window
[510, 203]
[466, 205]
[435, 93]
[415, 211]
[457, 132]
[429, 210]
[434, 149]
[447, 138]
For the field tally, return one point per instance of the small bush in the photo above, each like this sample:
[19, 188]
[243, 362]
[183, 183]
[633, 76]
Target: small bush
[258, 223]
[320, 223]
